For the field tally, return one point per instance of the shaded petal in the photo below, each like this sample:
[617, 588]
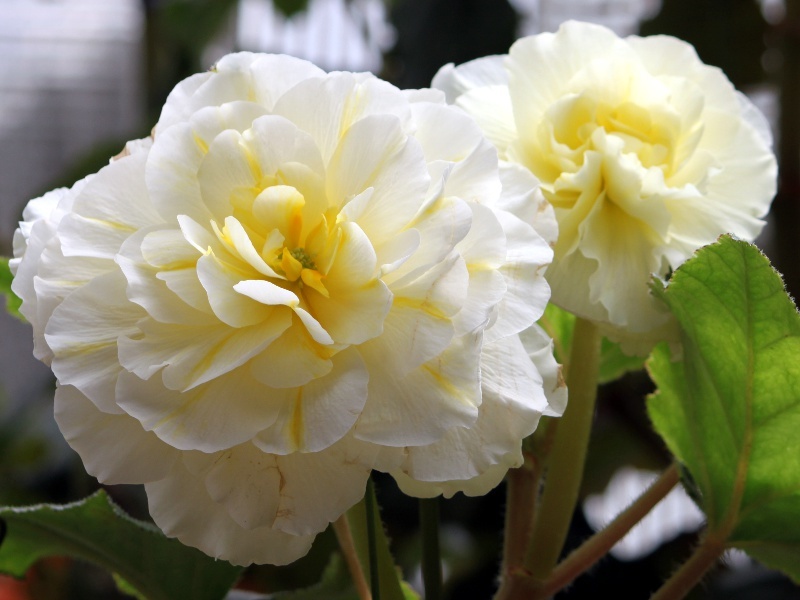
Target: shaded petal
[182, 508]
[83, 333]
[420, 406]
[193, 355]
[481, 72]
[539, 347]
[320, 486]
[218, 415]
[146, 288]
[113, 447]
[527, 291]
[221, 281]
[377, 153]
[326, 108]
[484, 250]
[322, 411]
[473, 459]
[292, 360]
[522, 197]
[420, 323]
[110, 207]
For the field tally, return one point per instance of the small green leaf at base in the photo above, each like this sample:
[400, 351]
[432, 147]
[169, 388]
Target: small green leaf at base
[729, 410]
[13, 302]
[96, 530]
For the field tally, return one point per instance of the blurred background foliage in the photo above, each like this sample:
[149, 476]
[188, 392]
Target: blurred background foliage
[759, 49]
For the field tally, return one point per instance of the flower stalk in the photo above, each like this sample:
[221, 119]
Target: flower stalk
[565, 464]
[521, 491]
[431, 548]
[593, 549]
[692, 571]
[345, 538]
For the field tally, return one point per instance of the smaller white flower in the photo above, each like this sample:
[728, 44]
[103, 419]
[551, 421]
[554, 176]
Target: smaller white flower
[645, 153]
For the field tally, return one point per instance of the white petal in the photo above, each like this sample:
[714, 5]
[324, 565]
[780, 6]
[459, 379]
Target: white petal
[114, 448]
[527, 292]
[420, 323]
[480, 485]
[441, 226]
[292, 360]
[226, 176]
[492, 109]
[481, 72]
[522, 197]
[182, 508]
[326, 108]
[322, 411]
[111, 206]
[171, 174]
[148, 290]
[321, 486]
[194, 355]
[377, 153]
[218, 415]
[420, 406]
[539, 348]
[221, 282]
[83, 334]
[472, 459]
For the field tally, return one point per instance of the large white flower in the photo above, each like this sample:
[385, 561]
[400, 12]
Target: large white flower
[645, 153]
[299, 278]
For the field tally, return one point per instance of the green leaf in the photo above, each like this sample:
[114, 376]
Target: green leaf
[392, 585]
[13, 302]
[614, 363]
[96, 530]
[730, 408]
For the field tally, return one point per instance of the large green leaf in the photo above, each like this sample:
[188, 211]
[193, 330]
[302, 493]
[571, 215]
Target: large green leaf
[614, 363]
[12, 301]
[95, 529]
[729, 409]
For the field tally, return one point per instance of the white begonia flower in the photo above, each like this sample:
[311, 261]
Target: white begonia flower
[300, 278]
[645, 153]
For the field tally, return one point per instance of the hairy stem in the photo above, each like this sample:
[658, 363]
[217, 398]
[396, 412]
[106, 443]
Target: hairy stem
[565, 465]
[691, 572]
[593, 549]
[521, 486]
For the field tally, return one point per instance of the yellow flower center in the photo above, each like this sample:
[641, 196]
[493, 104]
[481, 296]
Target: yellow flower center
[284, 238]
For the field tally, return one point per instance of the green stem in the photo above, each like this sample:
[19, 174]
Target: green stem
[372, 544]
[431, 553]
[565, 466]
[691, 572]
[593, 549]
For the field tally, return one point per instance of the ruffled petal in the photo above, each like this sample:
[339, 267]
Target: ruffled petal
[182, 508]
[114, 447]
